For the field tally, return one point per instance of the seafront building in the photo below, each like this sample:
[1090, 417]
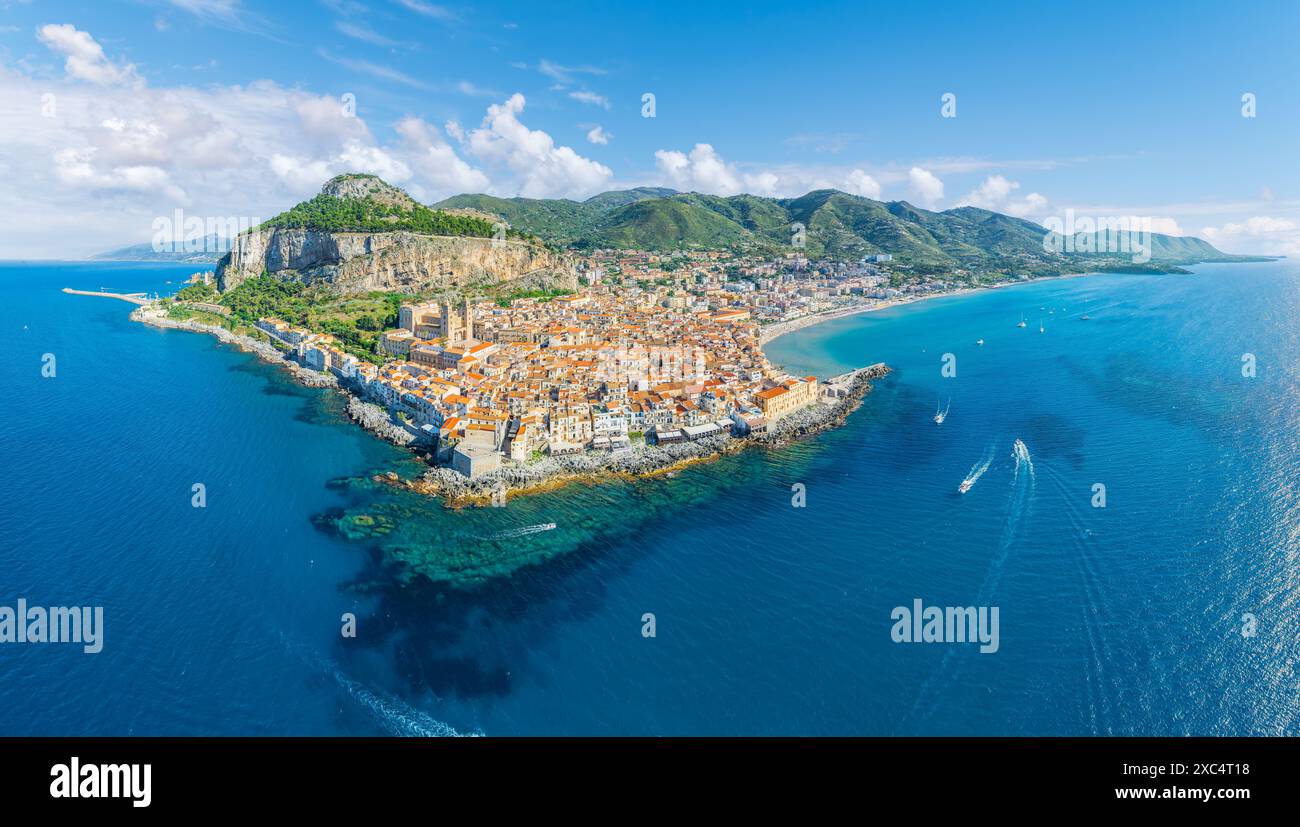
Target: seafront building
[598, 370]
[659, 348]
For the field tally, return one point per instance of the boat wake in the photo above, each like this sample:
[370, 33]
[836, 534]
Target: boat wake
[397, 716]
[394, 715]
[1019, 506]
[976, 471]
[1023, 483]
[522, 532]
[941, 415]
[1102, 693]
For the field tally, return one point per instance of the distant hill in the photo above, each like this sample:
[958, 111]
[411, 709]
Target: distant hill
[555, 219]
[205, 251]
[835, 224]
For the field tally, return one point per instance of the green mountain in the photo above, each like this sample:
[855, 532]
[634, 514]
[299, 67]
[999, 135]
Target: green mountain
[555, 219]
[367, 204]
[619, 198]
[834, 224]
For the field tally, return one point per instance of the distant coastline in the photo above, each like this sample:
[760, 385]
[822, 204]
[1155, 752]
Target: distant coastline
[772, 332]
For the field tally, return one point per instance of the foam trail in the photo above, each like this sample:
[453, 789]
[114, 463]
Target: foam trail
[977, 470]
[1023, 483]
[522, 532]
[393, 714]
[398, 717]
[1020, 502]
[1094, 608]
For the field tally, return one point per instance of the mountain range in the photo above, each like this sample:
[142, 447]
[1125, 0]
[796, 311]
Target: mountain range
[822, 223]
[835, 224]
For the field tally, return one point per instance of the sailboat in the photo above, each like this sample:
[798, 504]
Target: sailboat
[940, 416]
[1021, 323]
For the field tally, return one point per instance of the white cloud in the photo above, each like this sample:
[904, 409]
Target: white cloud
[85, 57]
[925, 187]
[112, 157]
[704, 170]
[219, 9]
[429, 9]
[441, 169]
[362, 32]
[76, 167]
[860, 183]
[1259, 234]
[598, 135]
[1257, 225]
[1163, 224]
[563, 74]
[996, 194]
[583, 96]
[538, 168]
[328, 123]
[466, 88]
[226, 14]
[376, 70]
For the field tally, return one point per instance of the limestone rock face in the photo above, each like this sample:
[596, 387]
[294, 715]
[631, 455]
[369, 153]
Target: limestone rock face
[396, 261]
[367, 186]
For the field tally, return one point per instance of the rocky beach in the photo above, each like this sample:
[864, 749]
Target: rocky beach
[645, 459]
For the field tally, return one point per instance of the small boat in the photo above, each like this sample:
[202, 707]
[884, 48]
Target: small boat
[1019, 450]
[940, 416]
[1085, 317]
[1041, 329]
[1021, 323]
[979, 342]
[965, 486]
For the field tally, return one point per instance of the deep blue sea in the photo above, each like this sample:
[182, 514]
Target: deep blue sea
[770, 619]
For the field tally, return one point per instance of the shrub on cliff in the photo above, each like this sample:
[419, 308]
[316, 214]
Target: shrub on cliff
[328, 213]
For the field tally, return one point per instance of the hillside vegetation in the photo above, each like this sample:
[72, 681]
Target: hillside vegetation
[367, 204]
[835, 224]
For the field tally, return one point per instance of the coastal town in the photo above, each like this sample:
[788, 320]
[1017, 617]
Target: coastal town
[650, 351]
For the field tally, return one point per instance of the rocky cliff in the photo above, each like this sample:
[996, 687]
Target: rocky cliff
[362, 233]
[399, 261]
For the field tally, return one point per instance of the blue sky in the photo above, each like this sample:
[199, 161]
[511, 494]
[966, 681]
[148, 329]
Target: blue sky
[241, 108]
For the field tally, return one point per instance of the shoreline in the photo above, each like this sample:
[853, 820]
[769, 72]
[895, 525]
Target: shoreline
[647, 461]
[772, 332]
[549, 473]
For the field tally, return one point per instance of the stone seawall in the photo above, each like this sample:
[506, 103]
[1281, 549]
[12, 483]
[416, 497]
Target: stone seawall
[646, 460]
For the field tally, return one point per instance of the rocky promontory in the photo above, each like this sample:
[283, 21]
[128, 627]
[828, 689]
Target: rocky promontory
[362, 234]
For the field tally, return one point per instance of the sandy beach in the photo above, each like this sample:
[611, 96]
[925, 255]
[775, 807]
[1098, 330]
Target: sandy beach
[772, 332]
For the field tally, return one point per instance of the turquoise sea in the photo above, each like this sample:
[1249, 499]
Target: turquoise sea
[770, 619]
